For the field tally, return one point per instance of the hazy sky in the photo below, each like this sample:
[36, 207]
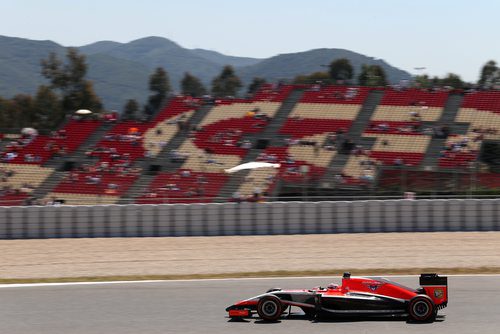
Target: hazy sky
[442, 35]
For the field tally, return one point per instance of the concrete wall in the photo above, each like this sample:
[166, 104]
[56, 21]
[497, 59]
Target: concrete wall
[249, 218]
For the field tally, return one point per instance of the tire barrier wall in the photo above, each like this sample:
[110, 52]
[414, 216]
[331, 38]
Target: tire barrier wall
[249, 218]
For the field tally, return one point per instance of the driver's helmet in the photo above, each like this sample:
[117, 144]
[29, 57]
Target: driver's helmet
[332, 286]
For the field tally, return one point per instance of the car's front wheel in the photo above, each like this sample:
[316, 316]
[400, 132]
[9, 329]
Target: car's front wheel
[421, 308]
[269, 308]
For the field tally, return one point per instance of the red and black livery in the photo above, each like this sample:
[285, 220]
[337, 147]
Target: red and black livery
[356, 296]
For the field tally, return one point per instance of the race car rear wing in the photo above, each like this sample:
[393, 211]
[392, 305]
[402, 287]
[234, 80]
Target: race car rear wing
[433, 279]
[436, 287]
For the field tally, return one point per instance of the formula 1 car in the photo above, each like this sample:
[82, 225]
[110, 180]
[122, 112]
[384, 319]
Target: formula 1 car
[357, 296]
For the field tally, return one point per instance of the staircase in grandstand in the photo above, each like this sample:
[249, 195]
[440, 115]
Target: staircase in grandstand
[73, 159]
[355, 133]
[448, 117]
[269, 134]
[163, 161]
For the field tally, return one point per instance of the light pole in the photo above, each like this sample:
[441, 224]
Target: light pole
[304, 170]
[420, 71]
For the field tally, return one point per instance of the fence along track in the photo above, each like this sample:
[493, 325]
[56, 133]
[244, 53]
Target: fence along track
[270, 218]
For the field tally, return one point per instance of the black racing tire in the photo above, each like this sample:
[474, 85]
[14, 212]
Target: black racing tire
[422, 309]
[269, 308]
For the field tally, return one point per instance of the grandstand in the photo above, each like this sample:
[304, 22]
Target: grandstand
[341, 136]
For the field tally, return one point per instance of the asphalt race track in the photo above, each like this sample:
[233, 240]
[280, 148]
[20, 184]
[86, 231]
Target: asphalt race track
[198, 307]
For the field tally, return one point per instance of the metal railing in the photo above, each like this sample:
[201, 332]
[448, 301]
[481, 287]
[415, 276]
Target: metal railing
[102, 200]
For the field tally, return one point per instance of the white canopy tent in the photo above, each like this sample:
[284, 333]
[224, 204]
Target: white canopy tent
[29, 131]
[83, 112]
[251, 165]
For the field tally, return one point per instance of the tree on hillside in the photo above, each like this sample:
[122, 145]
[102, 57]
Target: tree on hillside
[452, 80]
[191, 85]
[159, 85]
[425, 81]
[490, 75]
[69, 79]
[422, 81]
[313, 78]
[47, 108]
[86, 98]
[22, 105]
[8, 116]
[3, 113]
[372, 75]
[226, 84]
[41, 112]
[255, 85]
[16, 112]
[341, 70]
[130, 109]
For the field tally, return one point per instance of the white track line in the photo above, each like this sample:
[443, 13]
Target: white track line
[26, 285]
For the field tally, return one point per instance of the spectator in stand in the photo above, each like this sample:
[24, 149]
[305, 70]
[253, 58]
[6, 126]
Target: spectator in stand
[28, 157]
[351, 93]
[316, 149]
[367, 176]
[9, 156]
[236, 197]
[383, 127]
[201, 179]
[62, 134]
[246, 144]
[213, 161]
[93, 179]
[190, 192]
[339, 178]
[398, 162]
[289, 159]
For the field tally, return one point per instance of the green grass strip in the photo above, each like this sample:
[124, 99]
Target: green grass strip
[270, 274]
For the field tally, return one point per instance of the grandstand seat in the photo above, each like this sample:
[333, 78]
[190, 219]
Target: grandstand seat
[183, 186]
[43, 147]
[82, 199]
[113, 183]
[13, 198]
[482, 111]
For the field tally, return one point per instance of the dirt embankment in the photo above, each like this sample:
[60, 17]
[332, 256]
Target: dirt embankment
[222, 255]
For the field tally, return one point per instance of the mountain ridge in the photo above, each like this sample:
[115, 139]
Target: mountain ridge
[120, 71]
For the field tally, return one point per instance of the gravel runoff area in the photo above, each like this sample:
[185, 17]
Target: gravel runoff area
[60, 258]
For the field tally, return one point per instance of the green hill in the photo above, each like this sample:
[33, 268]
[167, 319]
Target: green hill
[120, 71]
[117, 80]
[20, 64]
[221, 59]
[99, 47]
[292, 64]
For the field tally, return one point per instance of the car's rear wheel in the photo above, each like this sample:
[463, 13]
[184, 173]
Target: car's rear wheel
[269, 308]
[421, 308]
